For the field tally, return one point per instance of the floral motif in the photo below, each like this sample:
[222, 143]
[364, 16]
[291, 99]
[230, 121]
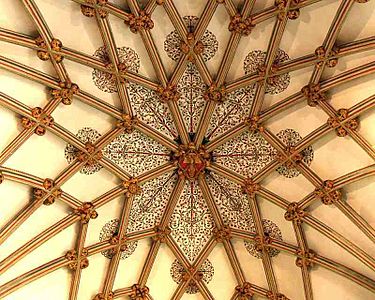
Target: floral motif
[231, 112]
[191, 222]
[106, 81]
[341, 122]
[232, 203]
[148, 207]
[153, 113]
[206, 272]
[256, 59]
[172, 44]
[85, 135]
[136, 153]
[240, 25]
[246, 154]
[271, 232]
[110, 230]
[290, 138]
[191, 88]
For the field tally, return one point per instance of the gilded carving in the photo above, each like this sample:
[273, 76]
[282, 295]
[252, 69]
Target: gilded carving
[341, 124]
[305, 258]
[244, 291]
[313, 94]
[139, 292]
[250, 187]
[161, 234]
[215, 93]
[89, 11]
[65, 94]
[142, 21]
[41, 121]
[291, 13]
[168, 93]
[191, 161]
[127, 122]
[48, 184]
[326, 193]
[239, 25]
[294, 213]
[132, 187]
[328, 57]
[86, 212]
[55, 45]
[254, 124]
[222, 234]
[72, 257]
[91, 156]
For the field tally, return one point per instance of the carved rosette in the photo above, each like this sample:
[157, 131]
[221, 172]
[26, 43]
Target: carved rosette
[142, 21]
[215, 93]
[244, 291]
[241, 26]
[139, 292]
[86, 212]
[74, 262]
[127, 122]
[48, 185]
[305, 259]
[40, 119]
[254, 124]
[250, 187]
[341, 123]
[207, 46]
[96, 6]
[191, 161]
[314, 94]
[110, 233]
[271, 232]
[65, 93]
[327, 194]
[291, 158]
[276, 296]
[294, 213]
[168, 93]
[325, 57]
[161, 234]
[292, 13]
[222, 234]
[101, 296]
[204, 273]
[132, 187]
[56, 45]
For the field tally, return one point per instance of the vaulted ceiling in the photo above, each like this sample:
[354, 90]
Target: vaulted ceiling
[201, 149]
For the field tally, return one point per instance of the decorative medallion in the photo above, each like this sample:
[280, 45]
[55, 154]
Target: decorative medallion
[136, 153]
[254, 62]
[110, 230]
[85, 135]
[206, 272]
[232, 202]
[290, 138]
[246, 154]
[272, 231]
[148, 207]
[173, 43]
[191, 222]
[107, 81]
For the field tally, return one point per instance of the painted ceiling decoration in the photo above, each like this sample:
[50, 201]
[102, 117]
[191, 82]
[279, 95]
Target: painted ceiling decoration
[199, 152]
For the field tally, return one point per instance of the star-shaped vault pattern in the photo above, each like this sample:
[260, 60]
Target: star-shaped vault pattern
[191, 149]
